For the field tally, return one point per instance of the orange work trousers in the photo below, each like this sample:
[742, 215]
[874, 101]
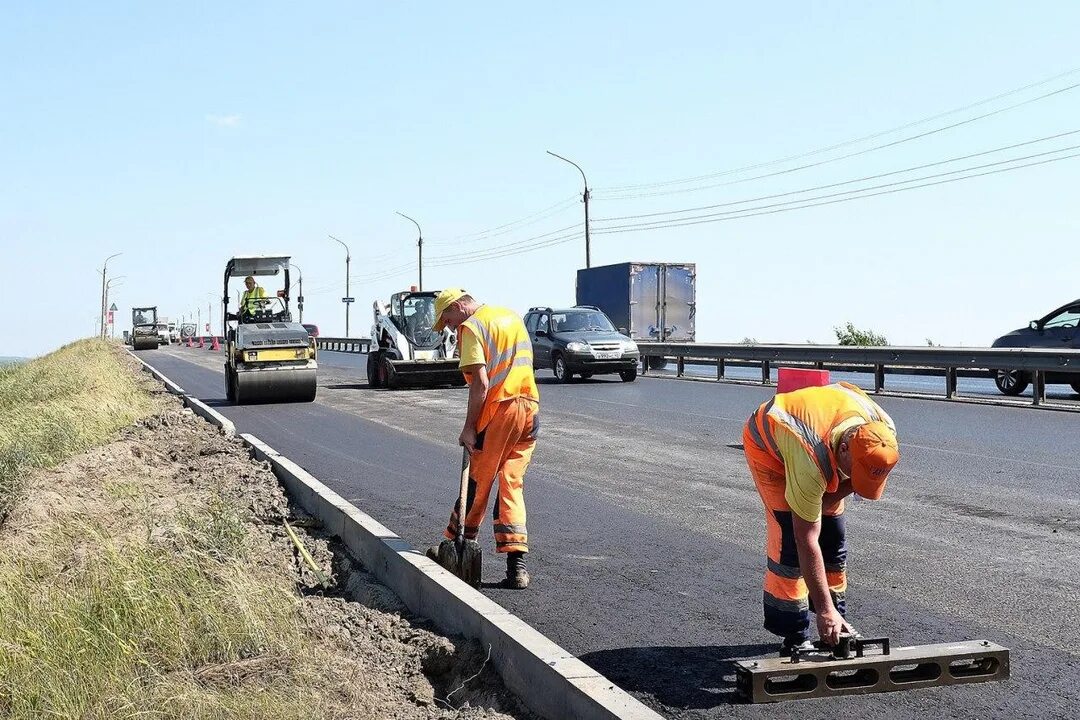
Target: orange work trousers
[503, 451]
[787, 605]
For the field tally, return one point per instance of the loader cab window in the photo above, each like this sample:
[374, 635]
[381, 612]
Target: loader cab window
[415, 315]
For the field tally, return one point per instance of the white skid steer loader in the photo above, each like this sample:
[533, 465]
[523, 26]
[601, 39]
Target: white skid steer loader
[406, 350]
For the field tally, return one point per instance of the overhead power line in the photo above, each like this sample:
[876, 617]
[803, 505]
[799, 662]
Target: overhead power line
[837, 184]
[773, 209]
[628, 194]
[509, 227]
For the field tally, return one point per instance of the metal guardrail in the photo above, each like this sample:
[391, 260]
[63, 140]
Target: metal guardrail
[348, 345]
[918, 360]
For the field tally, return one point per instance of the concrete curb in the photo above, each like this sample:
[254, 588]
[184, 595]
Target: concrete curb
[197, 406]
[552, 682]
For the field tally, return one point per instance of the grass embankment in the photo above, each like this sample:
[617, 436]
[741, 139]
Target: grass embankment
[114, 602]
[62, 404]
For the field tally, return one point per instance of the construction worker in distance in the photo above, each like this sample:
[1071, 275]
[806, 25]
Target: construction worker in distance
[250, 301]
[501, 423]
[807, 450]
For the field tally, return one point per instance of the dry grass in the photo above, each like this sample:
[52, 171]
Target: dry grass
[61, 404]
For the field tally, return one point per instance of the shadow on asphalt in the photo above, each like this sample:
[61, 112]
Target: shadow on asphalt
[600, 380]
[692, 678]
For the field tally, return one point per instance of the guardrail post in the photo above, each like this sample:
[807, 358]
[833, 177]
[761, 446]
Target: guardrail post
[950, 382]
[719, 368]
[879, 378]
[1038, 387]
[764, 372]
[680, 366]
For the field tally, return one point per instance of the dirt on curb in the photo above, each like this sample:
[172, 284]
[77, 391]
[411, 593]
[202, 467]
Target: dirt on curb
[357, 652]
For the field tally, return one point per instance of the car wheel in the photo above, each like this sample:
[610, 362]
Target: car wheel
[656, 363]
[1011, 382]
[562, 372]
[628, 375]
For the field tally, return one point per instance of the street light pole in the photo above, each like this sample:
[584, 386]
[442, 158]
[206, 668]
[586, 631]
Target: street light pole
[585, 197]
[419, 250]
[300, 298]
[348, 257]
[105, 269]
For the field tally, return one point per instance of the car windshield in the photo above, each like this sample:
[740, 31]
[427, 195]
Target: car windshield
[581, 321]
[1066, 319]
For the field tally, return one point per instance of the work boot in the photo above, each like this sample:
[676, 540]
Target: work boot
[433, 553]
[517, 577]
[795, 642]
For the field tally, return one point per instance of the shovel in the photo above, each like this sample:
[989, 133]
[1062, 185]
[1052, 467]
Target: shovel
[460, 556]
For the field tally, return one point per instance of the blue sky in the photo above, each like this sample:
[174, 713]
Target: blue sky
[181, 135]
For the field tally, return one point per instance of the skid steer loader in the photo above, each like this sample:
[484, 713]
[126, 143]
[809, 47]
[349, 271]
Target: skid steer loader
[406, 350]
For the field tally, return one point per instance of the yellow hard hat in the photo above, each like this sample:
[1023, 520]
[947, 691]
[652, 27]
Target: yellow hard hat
[443, 300]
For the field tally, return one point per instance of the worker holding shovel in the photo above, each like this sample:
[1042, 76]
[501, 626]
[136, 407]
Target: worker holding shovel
[501, 422]
[808, 450]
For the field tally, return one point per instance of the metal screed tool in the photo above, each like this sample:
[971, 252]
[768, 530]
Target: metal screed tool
[848, 669]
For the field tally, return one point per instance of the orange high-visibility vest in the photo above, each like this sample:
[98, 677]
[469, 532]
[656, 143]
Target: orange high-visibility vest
[811, 414]
[509, 356]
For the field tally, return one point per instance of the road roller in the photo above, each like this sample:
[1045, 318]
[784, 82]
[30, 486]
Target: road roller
[144, 334]
[268, 357]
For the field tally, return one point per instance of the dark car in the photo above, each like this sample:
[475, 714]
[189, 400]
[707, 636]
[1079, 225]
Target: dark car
[580, 341]
[1056, 330]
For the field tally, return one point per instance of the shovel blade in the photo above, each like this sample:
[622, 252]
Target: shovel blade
[465, 562]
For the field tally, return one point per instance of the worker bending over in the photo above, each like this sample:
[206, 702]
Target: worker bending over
[501, 422]
[808, 450]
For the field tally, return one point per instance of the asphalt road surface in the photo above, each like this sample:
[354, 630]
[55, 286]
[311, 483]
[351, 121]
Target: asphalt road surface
[647, 535]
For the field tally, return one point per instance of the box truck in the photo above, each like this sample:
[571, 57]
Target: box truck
[646, 300]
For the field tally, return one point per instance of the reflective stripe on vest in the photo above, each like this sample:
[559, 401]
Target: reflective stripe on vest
[817, 446]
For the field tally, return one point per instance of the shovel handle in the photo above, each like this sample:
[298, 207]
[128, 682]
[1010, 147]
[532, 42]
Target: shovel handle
[463, 495]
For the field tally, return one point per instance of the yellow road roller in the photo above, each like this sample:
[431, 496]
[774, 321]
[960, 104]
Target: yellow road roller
[268, 357]
[144, 335]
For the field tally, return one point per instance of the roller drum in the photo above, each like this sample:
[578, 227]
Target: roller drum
[274, 385]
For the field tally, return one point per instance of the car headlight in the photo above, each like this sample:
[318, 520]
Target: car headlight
[577, 347]
[629, 346]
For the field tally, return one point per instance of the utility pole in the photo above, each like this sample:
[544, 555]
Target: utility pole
[419, 250]
[105, 269]
[348, 298]
[585, 197]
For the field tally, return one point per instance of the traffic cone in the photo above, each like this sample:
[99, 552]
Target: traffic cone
[189, 344]
[200, 345]
[215, 345]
